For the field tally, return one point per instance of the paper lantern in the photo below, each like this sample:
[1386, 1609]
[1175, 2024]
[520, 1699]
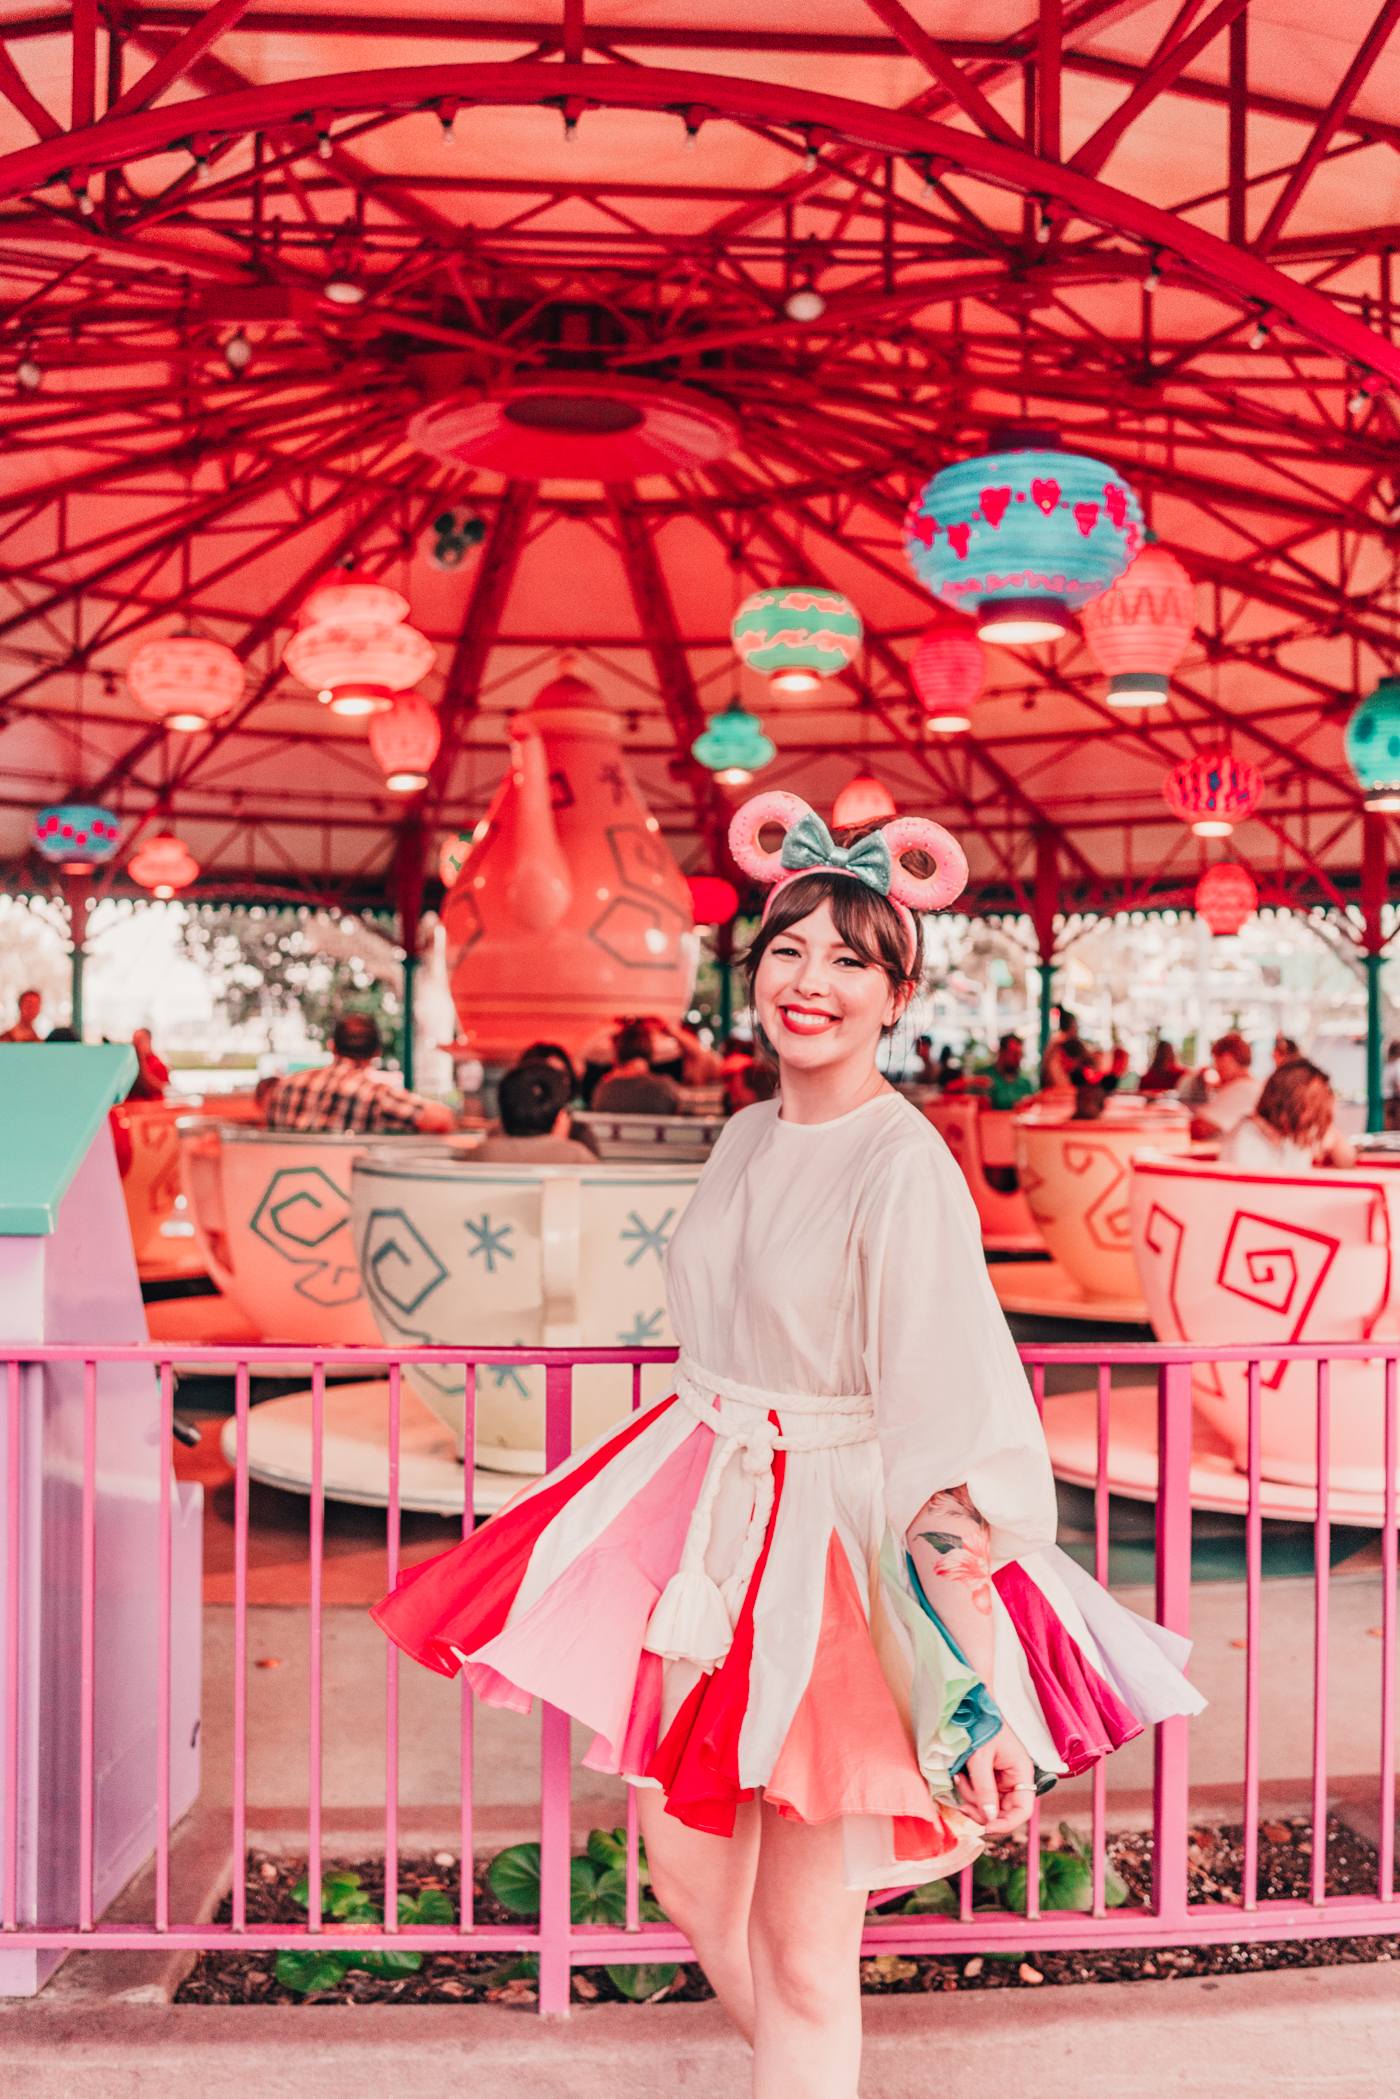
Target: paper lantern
[352, 601]
[1226, 897]
[354, 669]
[1213, 791]
[1140, 628]
[713, 900]
[862, 801]
[1373, 745]
[405, 741]
[76, 835]
[1023, 536]
[948, 669]
[163, 864]
[734, 746]
[797, 635]
[185, 679]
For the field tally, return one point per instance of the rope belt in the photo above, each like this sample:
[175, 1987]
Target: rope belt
[694, 1616]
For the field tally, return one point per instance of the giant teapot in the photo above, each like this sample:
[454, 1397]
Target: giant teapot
[569, 910]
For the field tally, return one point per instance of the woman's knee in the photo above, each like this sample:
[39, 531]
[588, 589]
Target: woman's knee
[813, 1978]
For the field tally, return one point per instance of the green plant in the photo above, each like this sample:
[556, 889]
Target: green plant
[597, 1895]
[345, 1901]
[1066, 1883]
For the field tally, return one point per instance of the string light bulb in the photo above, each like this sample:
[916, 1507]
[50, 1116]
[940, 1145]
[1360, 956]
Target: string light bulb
[238, 353]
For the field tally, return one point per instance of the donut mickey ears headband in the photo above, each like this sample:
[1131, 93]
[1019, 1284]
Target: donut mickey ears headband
[809, 848]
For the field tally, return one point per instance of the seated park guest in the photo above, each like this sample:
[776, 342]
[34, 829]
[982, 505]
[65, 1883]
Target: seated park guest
[348, 1094]
[632, 1087]
[534, 1103]
[1291, 1129]
[24, 1029]
[1237, 1094]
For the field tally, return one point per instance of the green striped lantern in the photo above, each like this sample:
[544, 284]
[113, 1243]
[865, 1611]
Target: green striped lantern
[797, 635]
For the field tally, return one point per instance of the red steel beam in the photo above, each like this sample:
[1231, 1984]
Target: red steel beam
[490, 588]
[935, 60]
[1159, 77]
[180, 59]
[1242, 277]
[1352, 83]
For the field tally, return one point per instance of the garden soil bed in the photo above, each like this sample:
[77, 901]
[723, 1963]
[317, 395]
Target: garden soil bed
[1285, 1868]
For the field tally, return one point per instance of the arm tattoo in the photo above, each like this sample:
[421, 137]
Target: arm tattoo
[963, 1549]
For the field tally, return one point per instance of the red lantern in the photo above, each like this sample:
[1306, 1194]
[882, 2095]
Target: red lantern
[1226, 897]
[353, 648]
[862, 801]
[405, 741]
[713, 901]
[186, 679]
[1140, 627]
[949, 669]
[163, 864]
[1213, 791]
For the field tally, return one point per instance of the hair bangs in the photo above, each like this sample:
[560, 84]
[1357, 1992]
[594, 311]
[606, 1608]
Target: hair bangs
[866, 921]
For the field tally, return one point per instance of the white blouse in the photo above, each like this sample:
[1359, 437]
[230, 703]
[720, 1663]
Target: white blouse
[845, 1257]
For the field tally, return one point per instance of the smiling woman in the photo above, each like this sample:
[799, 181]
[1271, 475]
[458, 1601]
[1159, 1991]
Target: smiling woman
[842, 1661]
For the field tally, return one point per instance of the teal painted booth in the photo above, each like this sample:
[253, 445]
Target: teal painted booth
[68, 1275]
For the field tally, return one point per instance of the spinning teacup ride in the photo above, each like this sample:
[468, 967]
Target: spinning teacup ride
[1226, 1256]
[449, 1252]
[983, 1142]
[1074, 1178]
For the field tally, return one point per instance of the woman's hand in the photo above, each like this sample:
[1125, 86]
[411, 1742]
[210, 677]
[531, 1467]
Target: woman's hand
[997, 1784]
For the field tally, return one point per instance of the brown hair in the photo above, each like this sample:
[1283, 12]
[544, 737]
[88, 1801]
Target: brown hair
[1233, 1045]
[865, 920]
[1297, 1101]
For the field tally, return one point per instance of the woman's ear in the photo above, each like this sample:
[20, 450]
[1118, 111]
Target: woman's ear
[898, 1002]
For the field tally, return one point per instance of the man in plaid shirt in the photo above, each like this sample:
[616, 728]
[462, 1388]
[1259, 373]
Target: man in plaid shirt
[350, 1095]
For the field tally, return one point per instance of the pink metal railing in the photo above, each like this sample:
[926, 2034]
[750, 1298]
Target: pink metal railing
[1171, 1919]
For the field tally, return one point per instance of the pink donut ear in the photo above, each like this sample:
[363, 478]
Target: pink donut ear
[776, 807]
[935, 892]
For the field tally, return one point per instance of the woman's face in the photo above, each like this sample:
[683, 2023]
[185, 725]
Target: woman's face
[818, 1002]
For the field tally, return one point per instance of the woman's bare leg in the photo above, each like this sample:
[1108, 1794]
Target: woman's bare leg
[705, 1885]
[804, 1942]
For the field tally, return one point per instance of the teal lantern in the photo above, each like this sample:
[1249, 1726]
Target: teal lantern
[76, 835]
[1022, 538]
[1373, 746]
[797, 635]
[734, 746]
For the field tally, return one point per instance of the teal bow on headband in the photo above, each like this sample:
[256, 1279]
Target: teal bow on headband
[809, 844]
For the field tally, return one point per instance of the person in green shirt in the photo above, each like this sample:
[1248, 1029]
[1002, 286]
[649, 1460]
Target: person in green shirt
[1005, 1085]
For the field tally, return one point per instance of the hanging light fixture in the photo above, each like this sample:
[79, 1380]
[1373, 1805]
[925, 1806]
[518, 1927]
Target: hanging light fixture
[186, 680]
[76, 835]
[1373, 746]
[1226, 897]
[797, 635]
[353, 648]
[1140, 628]
[734, 746]
[1026, 535]
[713, 901]
[163, 864]
[948, 669]
[862, 801]
[405, 742]
[1213, 791]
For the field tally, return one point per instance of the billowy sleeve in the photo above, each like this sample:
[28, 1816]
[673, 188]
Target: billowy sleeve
[952, 1403]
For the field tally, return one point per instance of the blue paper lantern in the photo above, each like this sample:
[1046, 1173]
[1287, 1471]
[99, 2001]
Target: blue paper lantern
[734, 746]
[76, 835]
[1373, 745]
[1024, 538]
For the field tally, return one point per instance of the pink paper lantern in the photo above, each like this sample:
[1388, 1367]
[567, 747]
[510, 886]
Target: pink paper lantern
[163, 864]
[949, 669]
[1226, 897]
[186, 680]
[862, 801]
[405, 742]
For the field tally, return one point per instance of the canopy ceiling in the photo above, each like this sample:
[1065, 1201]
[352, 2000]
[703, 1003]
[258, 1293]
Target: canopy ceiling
[1083, 218]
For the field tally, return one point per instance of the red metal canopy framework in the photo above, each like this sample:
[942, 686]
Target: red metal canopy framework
[1164, 236]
